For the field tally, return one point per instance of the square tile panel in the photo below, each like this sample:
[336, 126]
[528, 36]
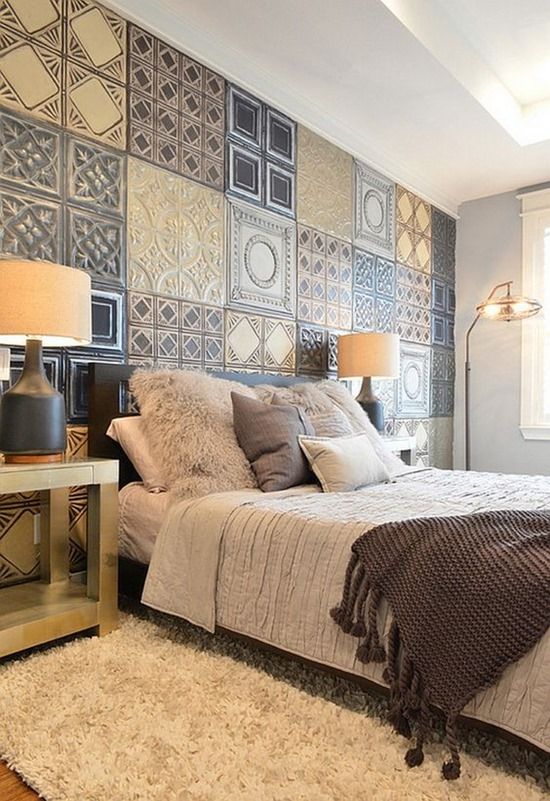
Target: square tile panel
[261, 148]
[107, 319]
[374, 211]
[40, 21]
[261, 260]
[95, 105]
[245, 173]
[96, 38]
[414, 381]
[31, 77]
[95, 177]
[30, 154]
[259, 344]
[324, 185]
[312, 350]
[76, 370]
[245, 117]
[280, 137]
[30, 228]
[279, 189]
[175, 235]
[325, 279]
[95, 243]
[175, 333]
[176, 110]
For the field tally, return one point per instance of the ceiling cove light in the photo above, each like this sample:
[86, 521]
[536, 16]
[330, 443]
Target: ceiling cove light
[431, 24]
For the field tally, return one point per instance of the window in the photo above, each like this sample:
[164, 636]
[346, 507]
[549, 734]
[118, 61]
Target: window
[535, 357]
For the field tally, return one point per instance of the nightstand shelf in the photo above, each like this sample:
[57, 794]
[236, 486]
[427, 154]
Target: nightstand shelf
[40, 611]
[404, 447]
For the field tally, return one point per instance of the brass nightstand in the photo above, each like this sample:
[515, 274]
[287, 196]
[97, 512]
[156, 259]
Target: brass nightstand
[55, 606]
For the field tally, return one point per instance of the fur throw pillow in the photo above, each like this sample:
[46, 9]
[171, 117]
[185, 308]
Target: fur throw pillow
[188, 420]
[325, 416]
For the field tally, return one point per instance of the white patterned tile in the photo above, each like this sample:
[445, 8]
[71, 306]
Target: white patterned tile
[374, 211]
[261, 259]
[175, 235]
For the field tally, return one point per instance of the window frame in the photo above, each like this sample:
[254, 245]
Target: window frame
[535, 335]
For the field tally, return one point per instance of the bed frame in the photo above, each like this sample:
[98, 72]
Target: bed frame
[109, 397]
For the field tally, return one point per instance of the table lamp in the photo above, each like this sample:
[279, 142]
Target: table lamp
[368, 356]
[505, 308]
[41, 304]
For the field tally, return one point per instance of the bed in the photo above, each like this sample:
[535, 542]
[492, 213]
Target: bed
[209, 564]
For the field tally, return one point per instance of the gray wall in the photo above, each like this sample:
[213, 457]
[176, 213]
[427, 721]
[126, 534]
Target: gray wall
[489, 252]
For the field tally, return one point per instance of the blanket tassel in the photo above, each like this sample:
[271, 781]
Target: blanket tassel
[451, 769]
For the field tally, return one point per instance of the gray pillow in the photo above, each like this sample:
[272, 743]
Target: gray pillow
[268, 434]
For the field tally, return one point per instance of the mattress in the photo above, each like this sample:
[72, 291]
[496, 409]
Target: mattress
[140, 518]
[271, 566]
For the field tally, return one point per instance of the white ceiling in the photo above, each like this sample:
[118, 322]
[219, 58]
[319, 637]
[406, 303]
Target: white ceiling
[435, 93]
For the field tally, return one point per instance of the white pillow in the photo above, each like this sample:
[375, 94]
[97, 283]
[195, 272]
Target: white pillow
[128, 432]
[345, 463]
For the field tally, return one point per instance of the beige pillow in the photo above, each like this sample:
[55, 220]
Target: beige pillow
[129, 433]
[188, 420]
[343, 464]
[360, 423]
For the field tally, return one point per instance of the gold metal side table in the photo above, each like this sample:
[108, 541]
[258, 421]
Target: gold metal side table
[55, 606]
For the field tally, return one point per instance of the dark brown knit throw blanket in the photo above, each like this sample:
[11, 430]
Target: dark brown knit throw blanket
[469, 595]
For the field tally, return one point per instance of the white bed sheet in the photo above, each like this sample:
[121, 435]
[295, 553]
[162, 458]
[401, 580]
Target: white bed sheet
[140, 518]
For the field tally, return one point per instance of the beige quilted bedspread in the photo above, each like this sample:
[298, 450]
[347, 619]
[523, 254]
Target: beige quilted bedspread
[271, 566]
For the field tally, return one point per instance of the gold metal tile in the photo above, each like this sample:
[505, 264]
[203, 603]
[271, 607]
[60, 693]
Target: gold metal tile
[96, 106]
[30, 77]
[405, 245]
[324, 185]
[404, 206]
[175, 235]
[96, 38]
[40, 19]
[422, 217]
[422, 253]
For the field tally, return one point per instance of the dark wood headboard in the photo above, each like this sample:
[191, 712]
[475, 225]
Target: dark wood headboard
[109, 397]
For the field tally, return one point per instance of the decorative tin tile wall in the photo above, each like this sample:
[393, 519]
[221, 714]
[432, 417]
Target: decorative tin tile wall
[374, 283]
[324, 184]
[374, 211]
[325, 278]
[175, 235]
[176, 110]
[210, 245]
[261, 153]
[259, 344]
[414, 381]
[261, 254]
[68, 71]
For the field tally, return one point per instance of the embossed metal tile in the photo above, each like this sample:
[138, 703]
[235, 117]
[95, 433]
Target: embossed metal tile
[414, 381]
[260, 344]
[30, 227]
[261, 153]
[176, 110]
[175, 235]
[374, 226]
[324, 185]
[30, 154]
[325, 279]
[261, 260]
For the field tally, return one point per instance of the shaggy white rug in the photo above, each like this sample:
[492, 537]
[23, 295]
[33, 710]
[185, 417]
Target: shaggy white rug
[143, 715]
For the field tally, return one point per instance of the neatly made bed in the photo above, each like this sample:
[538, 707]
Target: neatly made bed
[270, 566]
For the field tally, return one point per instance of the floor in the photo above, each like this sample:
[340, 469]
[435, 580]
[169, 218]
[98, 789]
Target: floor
[12, 788]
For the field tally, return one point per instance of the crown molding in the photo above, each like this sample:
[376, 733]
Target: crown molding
[247, 73]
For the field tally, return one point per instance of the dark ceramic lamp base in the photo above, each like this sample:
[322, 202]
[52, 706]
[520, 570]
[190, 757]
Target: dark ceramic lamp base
[32, 415]
[372, 405]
